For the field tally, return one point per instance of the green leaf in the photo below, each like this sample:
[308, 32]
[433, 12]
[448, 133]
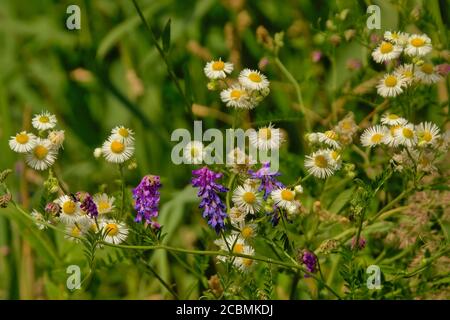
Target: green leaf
[166, 37]
[341, 200]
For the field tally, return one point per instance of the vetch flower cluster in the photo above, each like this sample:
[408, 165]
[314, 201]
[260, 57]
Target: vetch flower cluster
[147, 197]
[246, 92]
[40, 149]
[208, 189]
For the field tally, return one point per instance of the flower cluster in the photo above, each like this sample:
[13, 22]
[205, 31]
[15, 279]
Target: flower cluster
[208, 189]
[246, 92]
[412, 69]
[147, 196]
[118, 147]
[41, 150]
[329, 145]
[414, 145]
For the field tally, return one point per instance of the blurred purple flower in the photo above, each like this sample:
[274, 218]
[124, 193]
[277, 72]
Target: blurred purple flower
[362, 243]
[443, 69]
[147, 196]
[309, 259]
[87, 204]
[316, 55]
[208, 189]
[268, 180]
[375, 38]
[353, 64]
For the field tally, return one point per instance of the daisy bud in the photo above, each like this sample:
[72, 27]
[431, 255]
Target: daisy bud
[132, 165]
[52, 208]
[97, 153]
[279, 43]
[349, 34]
[344, 13]
[265, 92]
[317, 206]
[330, 25]
[312, 137]
[51, 184]
[335, 39]
[212, 85]
[298, 189]
[56, 137]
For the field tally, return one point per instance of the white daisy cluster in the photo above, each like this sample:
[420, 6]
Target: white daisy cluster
[118, 147]
[40, 149]
[329, 145]
[247, 92]
[413, 145]
[413, 69]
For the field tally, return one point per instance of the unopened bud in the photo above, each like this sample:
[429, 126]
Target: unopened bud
[5, 200]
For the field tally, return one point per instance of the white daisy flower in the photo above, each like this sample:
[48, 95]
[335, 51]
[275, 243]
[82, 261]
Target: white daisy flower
[104, 203]
[247, 199]
[253, 80]
[236, 244]
[418, 45]
[247, 231]
[42, 156]
[391, 85]
[391, 119]
[194, 152]
[406, 135]
[405, 71]
[22, 142]
[386, 51]
[294, 209]
[335, 156]
[70, 210]
[283, 197]
[390, 138]
[57, 138]
[425, 162]
[116, 151]
[374, 136]
[347, 126]
[237, 97]
[237, 215]
[244, 264]
[330, 138]
[116, 232]
[123, 134]
[320, 164]
[74, 232]
[427, 132]
[427, 74]
[218, 69]
[266, 138]
[400, 38]
[39, 220]
[44, 121]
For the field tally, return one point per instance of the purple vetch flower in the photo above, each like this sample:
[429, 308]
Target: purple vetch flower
[87, 204]
[309, 259]
[361, 245]
[316, 55]
[268, 180]
[443, 69]
[147, 196]
[208, 189]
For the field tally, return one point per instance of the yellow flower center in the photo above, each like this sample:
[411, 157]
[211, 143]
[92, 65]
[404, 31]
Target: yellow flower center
[347, 125]
[44, 119]
[247, 232]
[407, 74]
[117, 146]
[417, 42]
[236, 94]
[386, 47]
[427, 136]
[249, 197]
[112, 229]
[390, 81]
[394, 35]
[376, 138]
[408, 133]
[218, 65]
[427, 68]
[22, 138]
[40, 152]
[254, 77]
[124, 132]
[247, 262]
[103, 206]
[334, 154]
[331, 135]
[75, 232]
[238, 248]
[320, 161]
[194, 152]
[69, 207]
[287, 195]
[265, 133]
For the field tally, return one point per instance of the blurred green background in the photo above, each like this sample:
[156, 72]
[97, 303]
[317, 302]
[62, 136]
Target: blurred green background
[108, 73]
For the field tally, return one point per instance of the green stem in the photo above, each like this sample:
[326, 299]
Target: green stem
[298, 91]
[122, 192]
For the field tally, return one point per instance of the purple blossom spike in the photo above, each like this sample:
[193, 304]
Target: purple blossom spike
[268, 180]
[208, 189]
[309, 259]
[361, 245]
[87, 204]
[147, 196]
